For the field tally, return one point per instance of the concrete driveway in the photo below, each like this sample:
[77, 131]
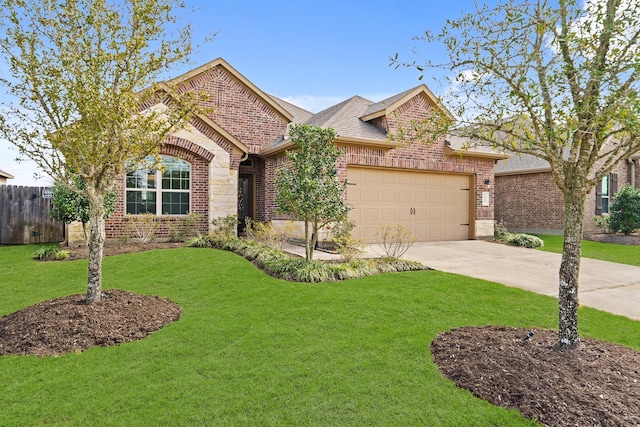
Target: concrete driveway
[603, 285]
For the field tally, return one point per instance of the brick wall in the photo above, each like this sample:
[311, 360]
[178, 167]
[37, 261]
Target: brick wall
[116, 225]
[533, 203]
[529, 202]
[237, 109]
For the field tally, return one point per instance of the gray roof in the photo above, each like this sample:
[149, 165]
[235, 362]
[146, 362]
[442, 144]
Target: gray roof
[379, 106]
[300, 115]
[521, 163]
[344, 118]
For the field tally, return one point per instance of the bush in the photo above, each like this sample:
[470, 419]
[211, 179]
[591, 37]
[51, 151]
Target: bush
[142, 227]
[525, 240]
[264, 233]
[500, 234]
[225, 227]
[184, 227]
[347, 246]
[602, 223]
[624, 212]
[395, 241]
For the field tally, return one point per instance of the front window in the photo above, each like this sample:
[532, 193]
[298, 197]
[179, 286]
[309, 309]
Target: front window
[164, 190]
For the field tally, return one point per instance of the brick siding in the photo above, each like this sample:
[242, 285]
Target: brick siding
[117, 225]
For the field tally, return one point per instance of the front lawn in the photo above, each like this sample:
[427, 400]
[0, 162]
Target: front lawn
[623, 254]
[253, 350]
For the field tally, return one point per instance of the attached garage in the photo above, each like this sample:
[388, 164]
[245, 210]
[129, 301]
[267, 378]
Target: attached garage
[433, 206]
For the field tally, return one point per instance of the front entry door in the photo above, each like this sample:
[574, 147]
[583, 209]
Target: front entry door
[245, 199]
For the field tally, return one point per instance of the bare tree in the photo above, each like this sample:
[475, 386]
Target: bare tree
[556, 80]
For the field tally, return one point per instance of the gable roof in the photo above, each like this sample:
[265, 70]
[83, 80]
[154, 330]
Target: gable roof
[4, 174]
[387, 106]
[219, 62]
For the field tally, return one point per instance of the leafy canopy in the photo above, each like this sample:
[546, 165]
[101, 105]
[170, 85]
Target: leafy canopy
[307, 186]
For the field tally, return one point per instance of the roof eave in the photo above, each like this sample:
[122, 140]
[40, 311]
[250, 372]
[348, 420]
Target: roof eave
[523, 171]
[448, 151]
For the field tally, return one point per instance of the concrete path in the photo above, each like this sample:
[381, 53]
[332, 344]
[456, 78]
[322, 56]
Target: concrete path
[604, 285]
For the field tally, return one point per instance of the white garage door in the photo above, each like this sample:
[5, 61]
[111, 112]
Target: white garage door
[432, 206]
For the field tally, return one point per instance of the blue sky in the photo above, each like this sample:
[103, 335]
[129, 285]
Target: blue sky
[313, 54]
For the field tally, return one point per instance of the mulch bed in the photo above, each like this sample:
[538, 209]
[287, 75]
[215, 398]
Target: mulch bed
[597, 384]
[621, 239]
[68, 324]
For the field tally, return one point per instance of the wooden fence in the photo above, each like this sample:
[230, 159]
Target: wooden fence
[24, 216]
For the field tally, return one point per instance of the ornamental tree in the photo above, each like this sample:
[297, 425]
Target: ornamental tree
[557, 80]
[307, 186]
[80, 84]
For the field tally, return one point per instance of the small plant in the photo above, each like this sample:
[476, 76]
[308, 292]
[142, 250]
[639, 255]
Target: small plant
[500, 232]
[199, 241]
[184, 227]
[265, 233]
[624, 212]
[45, 252]
[142, 227]
[525, 240]
[395, 241]
[225, 227]
[602, 223]
[61, 255]
[348, 246]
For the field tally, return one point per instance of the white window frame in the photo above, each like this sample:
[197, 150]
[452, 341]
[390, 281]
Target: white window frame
[158, 184]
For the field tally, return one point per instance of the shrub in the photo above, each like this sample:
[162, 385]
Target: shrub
[500, 232]
[61, 255]
[225, 227]
[395, 241]
[347, 246]
[184, 227]
[602, 223]
[624, 212]
[264, 233]
[142, 227]
[525, 240]
[199, 241]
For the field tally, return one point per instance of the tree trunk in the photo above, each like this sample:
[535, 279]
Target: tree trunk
[570, 270]
[307, 250]
[96, 245]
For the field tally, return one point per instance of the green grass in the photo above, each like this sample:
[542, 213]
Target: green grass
[250, 350]
[623, 254]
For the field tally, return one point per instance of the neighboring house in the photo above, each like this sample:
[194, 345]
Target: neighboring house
[528, 200]
[225, 163]
[4, 176]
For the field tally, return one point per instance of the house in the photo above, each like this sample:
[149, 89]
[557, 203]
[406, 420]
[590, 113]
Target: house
[224, 163]
[528, 200]
[4, 176]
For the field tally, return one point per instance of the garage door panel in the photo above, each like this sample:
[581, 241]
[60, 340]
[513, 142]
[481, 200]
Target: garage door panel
[370, 195]
[431, 206]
